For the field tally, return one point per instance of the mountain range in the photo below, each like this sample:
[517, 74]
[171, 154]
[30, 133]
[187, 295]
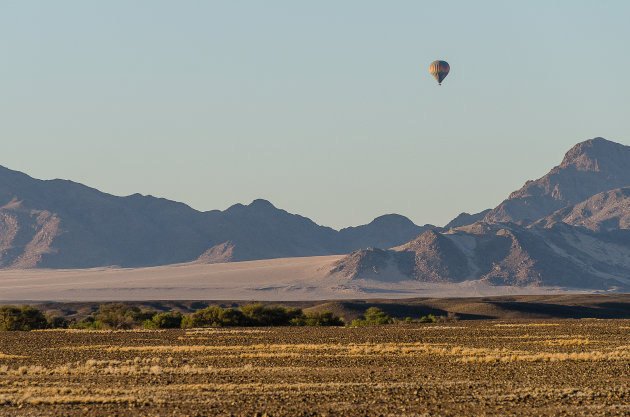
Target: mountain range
[63, 224]
[569, 228]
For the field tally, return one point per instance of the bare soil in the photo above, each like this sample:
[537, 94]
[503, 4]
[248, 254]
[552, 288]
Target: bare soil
[483, 367]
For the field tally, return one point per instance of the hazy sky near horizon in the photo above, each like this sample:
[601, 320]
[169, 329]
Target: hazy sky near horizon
[324, 108]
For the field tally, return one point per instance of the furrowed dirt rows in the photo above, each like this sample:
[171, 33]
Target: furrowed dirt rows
[576, 367]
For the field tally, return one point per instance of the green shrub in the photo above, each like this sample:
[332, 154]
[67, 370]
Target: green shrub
[260, 315]
[171, 320]
[14, 318]
[116, 316]
[55, 322]
[326, 318]
[373, 316]
[89, 323]
[214, 317]
[428, 319]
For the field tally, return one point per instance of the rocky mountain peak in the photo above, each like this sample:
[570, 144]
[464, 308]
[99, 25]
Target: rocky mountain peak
[391, 220]
[597, 155]
[261, 204]
[257, 205]
[589, 168]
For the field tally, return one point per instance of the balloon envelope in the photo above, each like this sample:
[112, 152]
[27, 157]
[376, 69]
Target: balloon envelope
[439, 70]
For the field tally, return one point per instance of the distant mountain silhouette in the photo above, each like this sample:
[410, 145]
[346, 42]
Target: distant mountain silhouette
[570, 228]
[63, 224]
[383, 232]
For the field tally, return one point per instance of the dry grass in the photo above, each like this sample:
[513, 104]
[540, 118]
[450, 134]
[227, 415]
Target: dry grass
[224, 331]
[526, 324]
[437, 327]
[5, 356]
[66, 396]
[331, 350]
[578, 341]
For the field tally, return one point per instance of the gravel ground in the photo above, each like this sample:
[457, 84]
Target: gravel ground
[542, 367]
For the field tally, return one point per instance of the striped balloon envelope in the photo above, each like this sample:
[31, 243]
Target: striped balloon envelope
[439, 70]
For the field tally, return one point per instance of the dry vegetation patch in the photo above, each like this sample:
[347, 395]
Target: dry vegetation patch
[5, 356]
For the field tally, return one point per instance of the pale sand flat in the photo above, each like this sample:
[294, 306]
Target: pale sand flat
[273, 279]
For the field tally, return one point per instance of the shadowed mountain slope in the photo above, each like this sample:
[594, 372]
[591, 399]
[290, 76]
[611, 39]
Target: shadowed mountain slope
[605, 211]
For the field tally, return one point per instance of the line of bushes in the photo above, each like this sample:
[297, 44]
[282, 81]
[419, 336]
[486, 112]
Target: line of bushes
[120, 316]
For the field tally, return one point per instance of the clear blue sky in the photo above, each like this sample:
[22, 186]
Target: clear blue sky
[325, 108]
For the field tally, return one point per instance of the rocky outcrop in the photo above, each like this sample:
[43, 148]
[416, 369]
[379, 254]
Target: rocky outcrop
[221, 253]
[374, 263]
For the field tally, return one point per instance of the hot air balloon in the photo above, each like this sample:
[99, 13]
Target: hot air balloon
[439, 70]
